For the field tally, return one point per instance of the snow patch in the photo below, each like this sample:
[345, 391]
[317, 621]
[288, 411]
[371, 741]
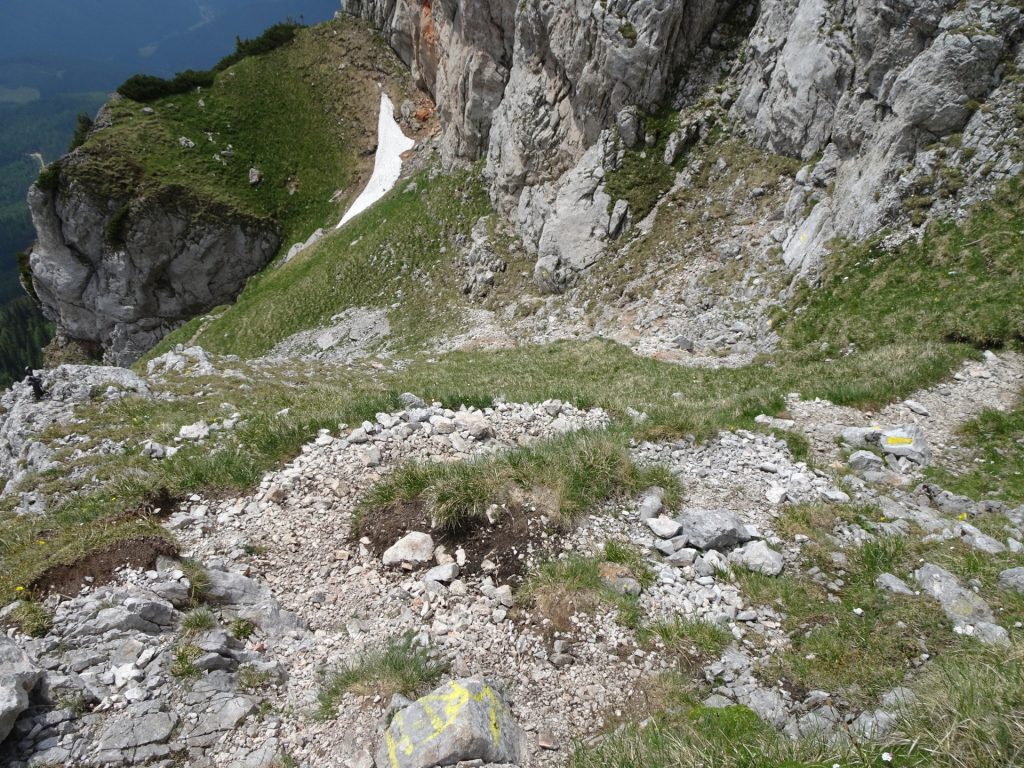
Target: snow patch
[387, 165]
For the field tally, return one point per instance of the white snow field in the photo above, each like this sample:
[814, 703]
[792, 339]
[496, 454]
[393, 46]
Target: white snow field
[387, 165]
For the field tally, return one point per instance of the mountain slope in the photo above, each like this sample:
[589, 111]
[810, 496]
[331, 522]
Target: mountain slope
[169, 206]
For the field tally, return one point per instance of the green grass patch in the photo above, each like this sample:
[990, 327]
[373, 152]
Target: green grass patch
[691, 639]
[183, 664]
[860, 656]
[632, 558]
[643, 177]
[31, 618]
[573, 584]
[970, 709]
[694, 736]
[567, 475]
[960, 283]
[288, 112]
[399, 665]
[401, 249]
[996, 439]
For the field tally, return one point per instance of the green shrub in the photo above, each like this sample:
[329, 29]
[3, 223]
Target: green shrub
[83, 125]
[272, 38]
[49, 178]
[143, 88]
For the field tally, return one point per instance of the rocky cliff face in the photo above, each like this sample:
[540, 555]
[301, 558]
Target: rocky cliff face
[120, 275]
[533, 85]
[870, 88]
[861, 86]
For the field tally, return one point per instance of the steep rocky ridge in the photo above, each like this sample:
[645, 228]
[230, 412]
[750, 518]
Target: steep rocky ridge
[863, 87]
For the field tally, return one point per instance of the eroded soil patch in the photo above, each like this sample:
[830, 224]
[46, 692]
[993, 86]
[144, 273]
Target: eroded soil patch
[517, 538]
[101, 565]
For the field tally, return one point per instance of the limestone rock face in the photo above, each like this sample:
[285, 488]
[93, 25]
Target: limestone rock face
[18, 676]
[174, 258]
[869, 86]
[534, 85]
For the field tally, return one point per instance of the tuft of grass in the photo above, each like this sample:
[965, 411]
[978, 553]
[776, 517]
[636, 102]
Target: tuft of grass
[252, 679]
[560, 588]
[198, 579]
[242, 629]
[400, 665]
[688, 638]
[970, 709]
[31, 618]
[184, 662]
[198, 620]
[576, 472]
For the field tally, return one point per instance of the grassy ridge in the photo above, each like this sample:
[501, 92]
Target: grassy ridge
[288, 113]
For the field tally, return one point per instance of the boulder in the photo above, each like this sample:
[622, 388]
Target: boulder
[862, 461]
[1012, 578]
[759, 557]
[893, 584]
[463, 720]
[908, 441]
[18, 676]
[969, 613]
[663, 527]
[713, 529]
[414, 547]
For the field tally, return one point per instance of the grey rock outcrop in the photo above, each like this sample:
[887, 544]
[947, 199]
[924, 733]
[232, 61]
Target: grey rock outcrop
[866, 88]
[969, 613]
[119, 274]
[18, 676]
[534, 85]
[869, 86]
[23, 419]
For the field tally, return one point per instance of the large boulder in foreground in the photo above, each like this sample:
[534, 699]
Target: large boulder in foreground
[18, 676]
[462, 720]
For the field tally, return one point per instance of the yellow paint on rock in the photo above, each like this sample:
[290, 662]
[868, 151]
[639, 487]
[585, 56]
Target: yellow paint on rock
[899, 440]
[450, 704]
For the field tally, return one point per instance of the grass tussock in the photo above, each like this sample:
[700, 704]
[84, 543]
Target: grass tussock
[30, 619]
[970, 710]
[198, 620]
[576, 584]
[567, 475]
[996, 438]
[685, 638]
[400, 665]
